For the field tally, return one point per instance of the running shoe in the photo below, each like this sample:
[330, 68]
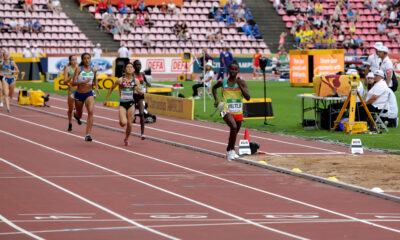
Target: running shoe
[77, 119]
[143, 137]
[229, 156]
[69, 127]
[196, 98]
[234, 154]
[126, 143]
[1, 104]
[88, 138]
[8, 110]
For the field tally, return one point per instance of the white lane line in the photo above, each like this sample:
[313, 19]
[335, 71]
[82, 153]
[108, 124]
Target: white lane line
[192, 225]
[83, 198]
[21, 230]
[168, 132]
[144, 183]
[212, 176]
[53, 214]
[225, 131]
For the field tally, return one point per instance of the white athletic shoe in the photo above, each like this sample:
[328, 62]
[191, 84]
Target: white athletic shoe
[1, 104]
[196, 98]
[234, 154]
[229, 156]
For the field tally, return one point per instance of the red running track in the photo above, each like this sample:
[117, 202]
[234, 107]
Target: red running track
[56, 186]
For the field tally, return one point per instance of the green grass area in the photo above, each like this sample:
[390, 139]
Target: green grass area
[287, 114]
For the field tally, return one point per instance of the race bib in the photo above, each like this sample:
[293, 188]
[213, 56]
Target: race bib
[127, 95]
[234, 105]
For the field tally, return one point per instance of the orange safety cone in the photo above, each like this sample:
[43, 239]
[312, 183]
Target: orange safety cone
[246, 135]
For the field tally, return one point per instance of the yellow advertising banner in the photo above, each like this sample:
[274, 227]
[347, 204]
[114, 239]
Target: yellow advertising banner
[104, 83]
[170, 106]
[328, 64]
[299, 69]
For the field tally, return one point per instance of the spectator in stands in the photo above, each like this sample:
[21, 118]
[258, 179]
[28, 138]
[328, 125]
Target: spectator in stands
[230, 19]
[54, 5]
[20, 4]
[35, 51]
[176, 29]
[290, 8]
[310, 8]
[318, 8]
[210, 35]
[123, 51]
[297, 34]
[393, 18]
[381, 27]
[184, 29]
[14, 27]
[27, 27]
[171, 7]
[219, 16]
[350, 15]
[97, 51]
[140, 19]
[377, 96]
[122, 7]
[247, 30]
[134, 21]
[164, 7]
[28, 6]
[255, 30]
[108, 21]
[143, 7]
[126, 26]
[367, 4]
[277, 5]
[248, 15]
[352, 29]
[240, 14]
[219, 37]
[336, 13]
[282, 40]
[27, 52]
[110, 9]
[101, 7]
[37, 27]
[136, 7]
[147, 20]
[3, 27]
[146, 41]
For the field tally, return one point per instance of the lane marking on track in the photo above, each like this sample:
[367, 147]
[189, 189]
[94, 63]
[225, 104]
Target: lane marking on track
[225, 131]
[142, 182]
[212, 176]
[168, 132]
[83, 198]
[21, 230]
[183, 225]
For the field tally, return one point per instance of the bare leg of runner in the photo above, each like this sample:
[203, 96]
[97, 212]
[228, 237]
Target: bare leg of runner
[141, 111]
[89, 102]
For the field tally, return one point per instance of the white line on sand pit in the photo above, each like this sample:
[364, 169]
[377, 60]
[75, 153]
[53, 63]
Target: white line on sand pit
[82, 198]
[139, 181]
[9, 223]
[213, 176]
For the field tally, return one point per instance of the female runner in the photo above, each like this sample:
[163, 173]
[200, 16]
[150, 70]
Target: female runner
[234, 89]
[84, 77]
[127, 85]
[139, 98]
[68, 74]
[10, 69]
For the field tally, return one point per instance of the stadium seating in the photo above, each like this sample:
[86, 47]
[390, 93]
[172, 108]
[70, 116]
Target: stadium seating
[196, 16]
[366, 29]
[58, 31]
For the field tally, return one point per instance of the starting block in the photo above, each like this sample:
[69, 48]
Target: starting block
[112, 104]
[23, 97]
